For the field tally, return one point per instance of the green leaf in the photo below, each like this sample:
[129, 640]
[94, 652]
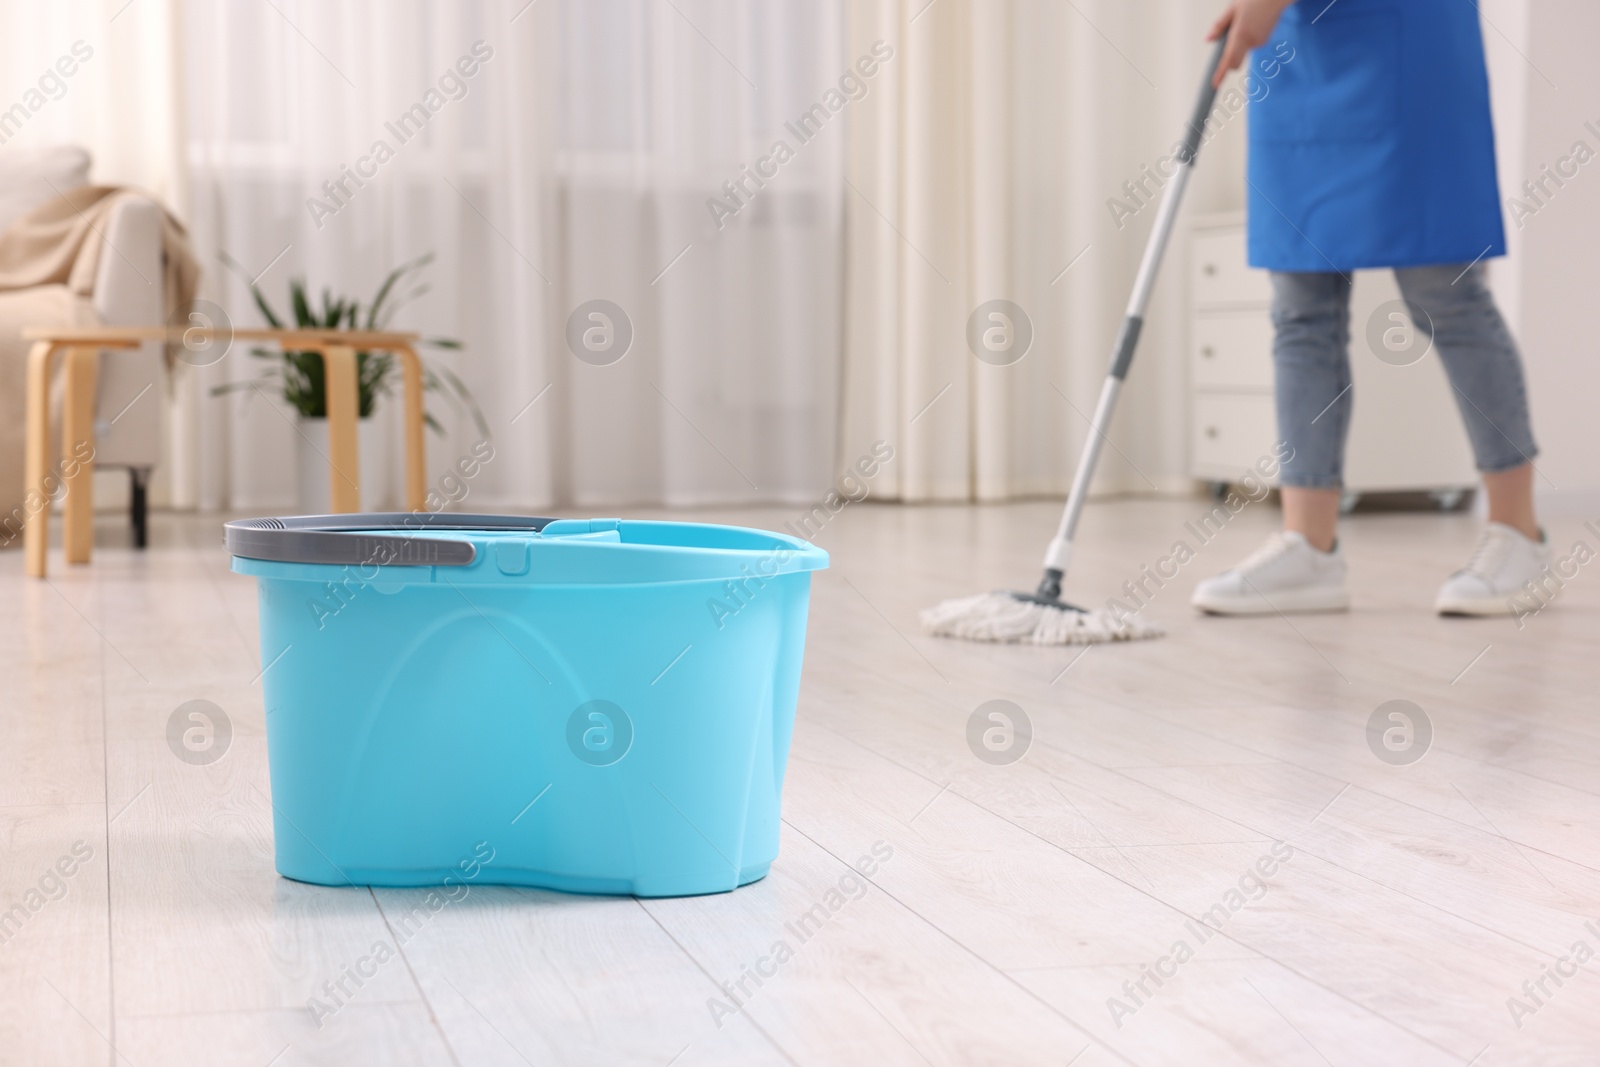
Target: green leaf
[234, 387]
[389, 283]
[302, 310]
[466, 396]
[394, 308]
[260, 297]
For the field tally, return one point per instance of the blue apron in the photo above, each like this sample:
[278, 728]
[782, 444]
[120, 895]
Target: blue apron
[1372, 146]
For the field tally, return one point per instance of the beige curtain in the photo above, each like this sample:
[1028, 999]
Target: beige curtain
[980, 169]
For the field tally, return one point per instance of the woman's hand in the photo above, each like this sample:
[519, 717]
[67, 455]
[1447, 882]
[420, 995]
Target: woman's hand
[1248, 24]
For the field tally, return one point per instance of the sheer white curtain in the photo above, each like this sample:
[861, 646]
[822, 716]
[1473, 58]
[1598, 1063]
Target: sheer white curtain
[982, 171]
[573, 164]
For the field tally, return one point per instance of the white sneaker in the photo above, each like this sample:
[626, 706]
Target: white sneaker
[1286, 574]
[1504, 560]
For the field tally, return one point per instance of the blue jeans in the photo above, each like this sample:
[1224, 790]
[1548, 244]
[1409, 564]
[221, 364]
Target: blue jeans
[1451, 306]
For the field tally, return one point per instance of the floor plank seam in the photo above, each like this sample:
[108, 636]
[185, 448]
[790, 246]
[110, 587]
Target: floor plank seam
[1368, 789]
[416, 984]
[1111, 874]
[985, 961]
[693, 959]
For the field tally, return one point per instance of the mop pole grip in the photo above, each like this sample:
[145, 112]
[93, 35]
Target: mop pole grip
[1202, 107]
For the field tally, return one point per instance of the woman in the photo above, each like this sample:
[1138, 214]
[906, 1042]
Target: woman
[1375, 149]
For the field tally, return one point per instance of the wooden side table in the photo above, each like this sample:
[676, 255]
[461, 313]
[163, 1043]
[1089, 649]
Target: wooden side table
[82, 346]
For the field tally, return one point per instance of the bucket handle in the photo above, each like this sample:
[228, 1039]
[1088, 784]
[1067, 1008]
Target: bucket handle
[366, 539]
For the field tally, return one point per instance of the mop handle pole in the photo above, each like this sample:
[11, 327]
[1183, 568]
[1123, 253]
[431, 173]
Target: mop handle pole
[1059, 554]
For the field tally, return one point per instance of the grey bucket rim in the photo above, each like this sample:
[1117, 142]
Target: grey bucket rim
[361, 538]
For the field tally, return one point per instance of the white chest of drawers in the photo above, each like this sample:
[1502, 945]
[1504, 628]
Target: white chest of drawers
[1405, 433]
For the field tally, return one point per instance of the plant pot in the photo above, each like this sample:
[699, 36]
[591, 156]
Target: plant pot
[372, 443]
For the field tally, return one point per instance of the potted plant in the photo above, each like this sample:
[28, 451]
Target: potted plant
[301, 379]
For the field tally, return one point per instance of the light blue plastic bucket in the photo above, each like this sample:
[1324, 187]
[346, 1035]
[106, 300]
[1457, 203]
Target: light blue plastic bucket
[600, 706]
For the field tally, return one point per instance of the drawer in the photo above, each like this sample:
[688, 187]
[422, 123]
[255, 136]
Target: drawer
[1232, 350]
[1231, 432]
[1220, 275]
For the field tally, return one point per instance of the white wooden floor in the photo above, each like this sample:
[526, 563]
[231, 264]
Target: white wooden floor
[1018, 900]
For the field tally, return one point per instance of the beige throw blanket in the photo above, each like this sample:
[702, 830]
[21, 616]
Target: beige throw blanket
[60, 243]
[49, 260]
